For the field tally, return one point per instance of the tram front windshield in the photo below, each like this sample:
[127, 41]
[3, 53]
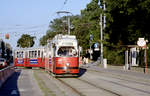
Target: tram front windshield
[67, 52]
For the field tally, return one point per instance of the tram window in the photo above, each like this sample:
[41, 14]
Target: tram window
[42, 54]
[67, 51]
[26, 54]
[17, 54]
[21, 54]
[30, 54]
[35, 54]
[38, 53]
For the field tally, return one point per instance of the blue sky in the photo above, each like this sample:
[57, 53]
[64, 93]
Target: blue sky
[32, 17]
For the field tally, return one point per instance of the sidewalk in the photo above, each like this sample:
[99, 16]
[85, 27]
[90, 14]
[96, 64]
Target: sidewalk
[134, 69]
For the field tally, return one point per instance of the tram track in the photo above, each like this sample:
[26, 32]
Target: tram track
[80, 92]
[73, 89]
[138, 85]
[136, 89]
[62, 86]
[85, 81]
[100, 87]
[122, 73]
[124, 78]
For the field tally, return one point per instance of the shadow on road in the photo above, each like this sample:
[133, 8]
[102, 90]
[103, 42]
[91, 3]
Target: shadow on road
[10, 87]
[81, 72]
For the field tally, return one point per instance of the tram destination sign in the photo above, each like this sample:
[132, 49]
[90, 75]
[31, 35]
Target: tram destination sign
[67, 44]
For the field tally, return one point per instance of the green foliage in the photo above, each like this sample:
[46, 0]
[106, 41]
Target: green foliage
[114, 56]
[3, 49]
[57, 26]
[25, 41]
[127, 20]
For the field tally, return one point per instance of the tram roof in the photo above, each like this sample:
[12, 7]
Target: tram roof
[60, 36]
[30, 48]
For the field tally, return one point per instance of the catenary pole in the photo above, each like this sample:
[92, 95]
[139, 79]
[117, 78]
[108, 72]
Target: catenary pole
[101, 31]
[102, 27]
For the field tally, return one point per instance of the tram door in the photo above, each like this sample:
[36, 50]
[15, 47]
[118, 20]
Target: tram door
[26, 58]
[53, 58]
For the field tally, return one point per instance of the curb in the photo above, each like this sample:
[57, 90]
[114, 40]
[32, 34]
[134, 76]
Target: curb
[5, 74]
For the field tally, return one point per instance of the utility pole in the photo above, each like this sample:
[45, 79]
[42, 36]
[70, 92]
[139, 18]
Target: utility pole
[104, 14]
[102, 28]
[101, 31]
[69, 25]
[91, 38]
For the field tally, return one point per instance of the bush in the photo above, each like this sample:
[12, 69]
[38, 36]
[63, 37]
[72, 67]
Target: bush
[115, 57]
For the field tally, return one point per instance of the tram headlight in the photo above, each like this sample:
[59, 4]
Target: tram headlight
[67, 64]
[65, 68]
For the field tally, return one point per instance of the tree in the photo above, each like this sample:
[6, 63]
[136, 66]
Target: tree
[3, 49]
[129, 20]
[57, 26]
[25, 41]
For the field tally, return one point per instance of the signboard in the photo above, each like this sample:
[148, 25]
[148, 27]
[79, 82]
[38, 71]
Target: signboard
[67, 44]
[141, 42]
[6, 36]
[96, 47]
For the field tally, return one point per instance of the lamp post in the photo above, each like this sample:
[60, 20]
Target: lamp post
[101, 38]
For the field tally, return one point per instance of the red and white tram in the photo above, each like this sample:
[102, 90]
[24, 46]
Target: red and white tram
[19, 57]
[29, 57]
[59, 57]
[62, 55]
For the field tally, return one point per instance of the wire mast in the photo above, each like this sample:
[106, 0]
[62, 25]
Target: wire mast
[102, 27]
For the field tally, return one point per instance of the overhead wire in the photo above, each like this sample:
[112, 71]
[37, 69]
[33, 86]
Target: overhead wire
[17, 29]
[26, 30]
[65, 2]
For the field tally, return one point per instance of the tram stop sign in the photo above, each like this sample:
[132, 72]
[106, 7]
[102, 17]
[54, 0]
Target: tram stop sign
[141, 42]
[96, 47]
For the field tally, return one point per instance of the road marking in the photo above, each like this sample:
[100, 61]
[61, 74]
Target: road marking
[14, 92]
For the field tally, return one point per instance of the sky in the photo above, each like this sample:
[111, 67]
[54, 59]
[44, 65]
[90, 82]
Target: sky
[32, 17]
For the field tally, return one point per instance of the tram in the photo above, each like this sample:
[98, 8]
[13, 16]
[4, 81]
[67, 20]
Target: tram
[29, 57]
[62, 55]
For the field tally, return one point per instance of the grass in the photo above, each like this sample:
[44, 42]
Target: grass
[43, 86]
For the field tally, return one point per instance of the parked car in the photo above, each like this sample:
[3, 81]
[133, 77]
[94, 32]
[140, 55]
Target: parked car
[2, 63]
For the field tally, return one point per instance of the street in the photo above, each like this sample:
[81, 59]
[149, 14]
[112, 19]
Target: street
[92, 81]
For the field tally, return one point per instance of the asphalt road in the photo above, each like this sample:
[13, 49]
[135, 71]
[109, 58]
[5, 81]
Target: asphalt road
[21, 83]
